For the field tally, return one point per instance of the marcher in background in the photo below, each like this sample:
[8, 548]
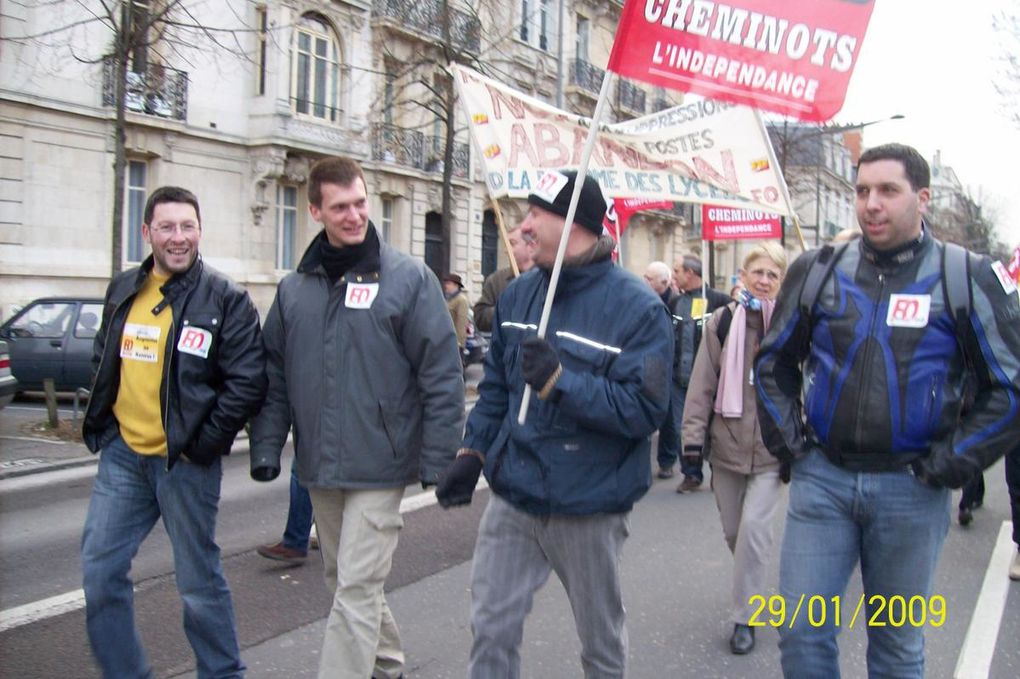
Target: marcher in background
[564, 482]
[361, 353]
[861, 389]
[1013, 485]
[690, 310]
[297, 534]
[496, 282]
[721, 409]
[659, 278]
[457, 304]
[178, 369]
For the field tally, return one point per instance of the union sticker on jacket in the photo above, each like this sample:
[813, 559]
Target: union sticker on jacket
[195, 341]
[140, 342]
[361, 295]
[1005, 280]
[908, 311]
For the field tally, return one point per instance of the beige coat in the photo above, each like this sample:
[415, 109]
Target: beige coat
[458, 306]
[736, 442]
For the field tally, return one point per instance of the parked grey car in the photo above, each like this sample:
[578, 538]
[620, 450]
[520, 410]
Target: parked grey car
[52, 337]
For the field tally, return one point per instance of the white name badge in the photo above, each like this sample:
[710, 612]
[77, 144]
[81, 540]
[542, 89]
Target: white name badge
[361, 295]
[1007, 283]
[195, 341]
[550, 185]
[908, 311]
[140, 342]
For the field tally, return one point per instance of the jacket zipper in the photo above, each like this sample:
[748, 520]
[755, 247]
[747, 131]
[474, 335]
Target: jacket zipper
[862, 403]
[168, 364]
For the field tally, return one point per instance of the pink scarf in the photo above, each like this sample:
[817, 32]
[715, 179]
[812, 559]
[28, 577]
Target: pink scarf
[729, 396]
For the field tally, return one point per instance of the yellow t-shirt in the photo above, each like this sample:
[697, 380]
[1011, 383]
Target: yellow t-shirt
[143, 346]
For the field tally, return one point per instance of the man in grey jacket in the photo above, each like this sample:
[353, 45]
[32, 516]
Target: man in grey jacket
[363, 364]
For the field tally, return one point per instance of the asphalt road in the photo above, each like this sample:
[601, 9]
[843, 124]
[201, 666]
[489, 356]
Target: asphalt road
[676, 580]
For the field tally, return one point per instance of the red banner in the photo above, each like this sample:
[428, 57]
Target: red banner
[794, 58]
[621, 210]
[729, 223]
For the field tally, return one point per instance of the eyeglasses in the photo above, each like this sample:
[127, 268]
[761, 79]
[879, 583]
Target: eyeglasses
[187, 229]
[764, 273]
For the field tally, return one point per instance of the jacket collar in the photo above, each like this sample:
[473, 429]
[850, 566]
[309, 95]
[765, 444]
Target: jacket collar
[311, 261]
[176, 285]
[586, 269]
[900, 255]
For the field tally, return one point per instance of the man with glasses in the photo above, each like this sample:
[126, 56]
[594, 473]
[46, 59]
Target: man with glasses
[690, 309]
[178, 370]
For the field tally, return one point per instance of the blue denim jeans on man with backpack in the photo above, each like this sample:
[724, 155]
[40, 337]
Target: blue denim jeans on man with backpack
[890, 523]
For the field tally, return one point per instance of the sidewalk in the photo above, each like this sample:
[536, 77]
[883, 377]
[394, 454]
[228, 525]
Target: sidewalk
[27, 449]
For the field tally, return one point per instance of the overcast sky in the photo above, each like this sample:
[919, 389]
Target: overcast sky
[934, 62]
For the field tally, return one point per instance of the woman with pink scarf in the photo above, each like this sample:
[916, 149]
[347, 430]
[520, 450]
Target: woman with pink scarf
[721, 423]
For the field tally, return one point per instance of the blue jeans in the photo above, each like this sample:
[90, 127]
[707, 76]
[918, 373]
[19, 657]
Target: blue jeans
[894, 526]
[130, 494]
[299, 514]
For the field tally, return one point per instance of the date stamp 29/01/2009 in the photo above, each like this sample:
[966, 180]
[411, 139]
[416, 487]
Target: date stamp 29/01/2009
[819, 611]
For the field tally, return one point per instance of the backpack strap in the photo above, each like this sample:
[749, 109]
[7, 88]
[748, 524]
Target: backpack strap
[723, 329]
[956, 274]
[821, 267]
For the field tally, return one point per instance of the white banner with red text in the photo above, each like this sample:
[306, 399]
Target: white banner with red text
[701, 152]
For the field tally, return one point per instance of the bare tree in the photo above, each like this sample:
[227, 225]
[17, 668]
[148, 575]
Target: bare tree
[1006, 25]
[143, 38]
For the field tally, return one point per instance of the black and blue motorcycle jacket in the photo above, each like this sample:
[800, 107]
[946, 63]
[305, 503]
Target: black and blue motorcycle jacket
[873, 375]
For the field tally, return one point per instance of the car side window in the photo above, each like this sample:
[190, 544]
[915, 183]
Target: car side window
[88, 321]
[47, 320]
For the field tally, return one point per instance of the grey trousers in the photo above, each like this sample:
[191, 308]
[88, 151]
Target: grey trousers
[514, 555]
[747, 508]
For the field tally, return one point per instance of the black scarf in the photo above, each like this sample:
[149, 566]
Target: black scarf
[338, 261]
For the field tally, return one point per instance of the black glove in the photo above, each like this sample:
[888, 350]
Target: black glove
[784, 472]
[538, 362]
[692, 455]
[458, 483]
[266, 473]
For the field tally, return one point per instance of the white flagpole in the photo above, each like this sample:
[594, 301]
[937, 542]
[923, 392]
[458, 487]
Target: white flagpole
[582, 172]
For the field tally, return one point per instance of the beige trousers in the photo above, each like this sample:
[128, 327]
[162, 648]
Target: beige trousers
[747, 508]
[358, 531]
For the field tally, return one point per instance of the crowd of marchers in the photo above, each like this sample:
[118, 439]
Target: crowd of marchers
[865, 380]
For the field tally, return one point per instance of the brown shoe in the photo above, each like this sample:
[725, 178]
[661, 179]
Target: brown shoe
[279, 552]
[689, 484]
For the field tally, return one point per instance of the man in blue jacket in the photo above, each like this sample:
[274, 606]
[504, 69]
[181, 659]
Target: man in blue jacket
[878, 439]
[564, 482]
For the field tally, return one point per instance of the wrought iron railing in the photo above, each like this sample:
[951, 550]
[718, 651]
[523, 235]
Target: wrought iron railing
[411, 148]
[426, 17]
[586, 76]
[160, 90]
[630, 96]
[394, 144]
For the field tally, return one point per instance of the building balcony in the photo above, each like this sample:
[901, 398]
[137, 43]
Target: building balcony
[158, 91]
[630, 97]
[586, 77]
[425, 18]
[412, 149]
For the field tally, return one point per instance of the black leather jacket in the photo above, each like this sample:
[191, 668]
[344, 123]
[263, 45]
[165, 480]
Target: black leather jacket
[204, 400]
[880, 393]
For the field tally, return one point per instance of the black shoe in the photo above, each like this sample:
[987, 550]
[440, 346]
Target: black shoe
[742, 641]
[965, 516]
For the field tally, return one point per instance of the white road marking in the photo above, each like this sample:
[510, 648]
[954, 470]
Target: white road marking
[72, 601]
[975, 660]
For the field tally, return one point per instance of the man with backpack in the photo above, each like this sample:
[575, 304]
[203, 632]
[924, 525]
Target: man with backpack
[880, 335]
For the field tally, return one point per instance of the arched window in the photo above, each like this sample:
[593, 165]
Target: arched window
[315, 70]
